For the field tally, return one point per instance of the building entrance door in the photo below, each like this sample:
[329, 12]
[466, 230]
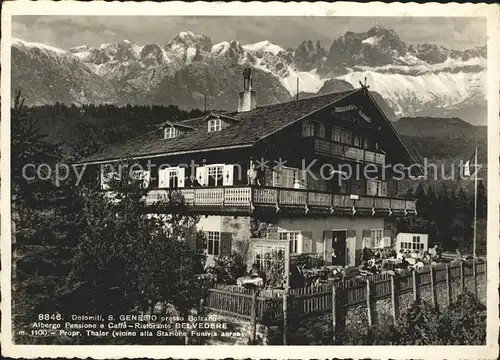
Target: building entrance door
[339, 247]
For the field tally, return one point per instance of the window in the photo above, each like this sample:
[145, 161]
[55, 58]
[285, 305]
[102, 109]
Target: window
[170, 132]
[414, 244]
[359, 140]
[376, 188]
[346, 137]
[173, 178]
[319, 130]
[417, 244]
[269, 256]
[142, 177]
[293, 238]
[214, 125]
[213, 242]
[285, 177]
[215, 175]
[377, 235]
[307, 129]
[337, 134]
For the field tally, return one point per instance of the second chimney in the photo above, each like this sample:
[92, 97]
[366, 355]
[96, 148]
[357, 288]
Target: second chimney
[248, 99]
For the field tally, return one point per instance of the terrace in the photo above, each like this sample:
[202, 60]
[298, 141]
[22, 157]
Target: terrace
[348, 152]
[245, 199]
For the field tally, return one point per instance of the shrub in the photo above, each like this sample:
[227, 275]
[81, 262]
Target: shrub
[418, 325]
[464, 322]
[228, 268]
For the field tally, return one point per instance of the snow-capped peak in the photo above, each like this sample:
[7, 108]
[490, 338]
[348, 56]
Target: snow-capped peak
[265, 46]
[373, 40]
[187, 35]
[28, 44]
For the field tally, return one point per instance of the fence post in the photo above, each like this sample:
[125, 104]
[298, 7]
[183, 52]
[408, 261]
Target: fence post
[415, 291]
[474, 274]
[254, 315]
[202, 303]
[433, 289]
[448, 285]
[393, 300]
[368, 303]
[462, 276]
[285, 316]
[334, 314]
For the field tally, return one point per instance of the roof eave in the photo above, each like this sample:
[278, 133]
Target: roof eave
[172, 153]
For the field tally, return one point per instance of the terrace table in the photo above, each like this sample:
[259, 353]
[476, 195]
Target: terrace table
[248, 280]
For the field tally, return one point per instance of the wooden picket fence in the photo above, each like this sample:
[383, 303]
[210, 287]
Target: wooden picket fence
[267, 305]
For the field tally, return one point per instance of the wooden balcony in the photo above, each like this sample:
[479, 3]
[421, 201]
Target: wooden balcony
[246, 199]
[348, 152]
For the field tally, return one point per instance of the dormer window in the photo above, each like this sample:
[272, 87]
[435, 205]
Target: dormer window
[217, 122]
[170, 132]
[214, 125]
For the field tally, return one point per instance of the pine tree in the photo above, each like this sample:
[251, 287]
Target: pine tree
[40, 218]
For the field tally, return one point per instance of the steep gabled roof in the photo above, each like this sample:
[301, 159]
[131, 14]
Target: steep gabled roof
[249, 127]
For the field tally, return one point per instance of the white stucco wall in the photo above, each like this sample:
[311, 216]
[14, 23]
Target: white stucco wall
[317, 225]
[239, 226]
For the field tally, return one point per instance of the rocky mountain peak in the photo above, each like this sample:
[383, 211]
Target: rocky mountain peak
[188, 39]
[152, 55]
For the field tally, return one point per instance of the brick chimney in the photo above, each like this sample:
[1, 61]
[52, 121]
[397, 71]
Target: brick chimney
[247, 100]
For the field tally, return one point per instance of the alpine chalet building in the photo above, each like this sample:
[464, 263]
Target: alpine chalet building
[277, 175]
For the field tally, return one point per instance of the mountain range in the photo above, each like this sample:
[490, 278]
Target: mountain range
[422, 80]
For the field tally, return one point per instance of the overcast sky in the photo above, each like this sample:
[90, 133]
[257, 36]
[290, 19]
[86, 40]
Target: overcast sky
[69, 31]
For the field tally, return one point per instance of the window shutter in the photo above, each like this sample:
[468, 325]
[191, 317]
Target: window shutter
[204, 245]
[306, 243]
[391, 188]
[225, 243]
[383, 189]
[228, 174]
[366, 238]
[351, 248]
[327, 245]
[276, 178]
[371, 187]
[387, 238]
[303, 178]
[304, 129]
[163, 178]
[104, 180]
[201, 175]
[146, 178]
[321, 131]
[181, 180]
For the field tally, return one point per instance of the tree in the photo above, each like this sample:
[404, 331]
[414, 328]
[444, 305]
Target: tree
[41, 218]
[130, 257]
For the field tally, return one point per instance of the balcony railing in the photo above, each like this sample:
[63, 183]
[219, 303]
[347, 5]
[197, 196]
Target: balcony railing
[348, 152]
[247, 199]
